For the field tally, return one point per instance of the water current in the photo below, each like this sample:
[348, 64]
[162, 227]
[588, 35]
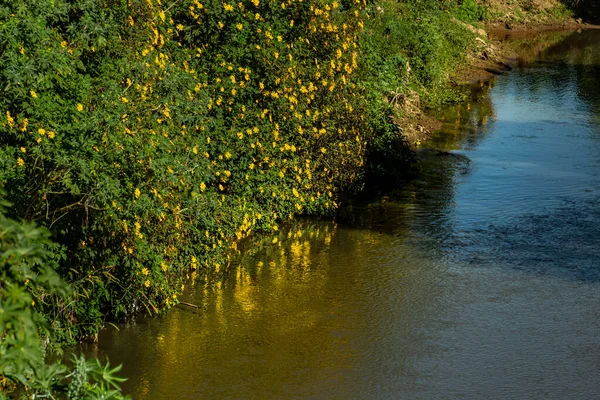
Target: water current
[478, 280]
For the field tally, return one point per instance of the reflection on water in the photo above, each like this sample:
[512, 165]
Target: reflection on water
[479, 280]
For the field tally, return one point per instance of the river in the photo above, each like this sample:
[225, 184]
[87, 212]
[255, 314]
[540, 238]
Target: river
[478, 280]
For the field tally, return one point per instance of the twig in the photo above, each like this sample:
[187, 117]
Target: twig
[183, 303]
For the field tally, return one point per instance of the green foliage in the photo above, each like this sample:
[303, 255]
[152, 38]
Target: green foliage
[27, 284]
[151, 137]
[471, 11]
[414, 50]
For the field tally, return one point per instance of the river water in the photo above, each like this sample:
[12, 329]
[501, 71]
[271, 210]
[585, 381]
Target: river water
[479, 280]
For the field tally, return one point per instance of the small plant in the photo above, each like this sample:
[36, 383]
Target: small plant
[471, 11]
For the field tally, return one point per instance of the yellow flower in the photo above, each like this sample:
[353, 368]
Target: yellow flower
[164, 267]
[147, 283]
[145, 271]
[25, 123]
[239, 26]
[137, 193]
[275, 240]
[9, 119]
[323, 150]
[203, 186]
[221, 25]
[33, 94]
[39, 140]
[228, 7]
[51, 135]
[20, 162]
[42, 131]
[227, 155]
[23, 150]
[179, 27]
[79, 107]
[124, 100]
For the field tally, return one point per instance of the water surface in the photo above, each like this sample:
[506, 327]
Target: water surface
[479, 280]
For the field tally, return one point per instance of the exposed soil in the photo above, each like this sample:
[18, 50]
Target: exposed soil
[493, 56]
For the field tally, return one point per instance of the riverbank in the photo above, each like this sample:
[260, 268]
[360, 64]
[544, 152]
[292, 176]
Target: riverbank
[495, 55]
[478, 280]
[150, 144]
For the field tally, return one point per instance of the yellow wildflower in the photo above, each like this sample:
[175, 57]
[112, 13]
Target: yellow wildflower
[137, 193]
[240, 27]
[124, 100]
[147, 283]
[145, 271]
[79, 107]
[33, 94]
[51, 135]
[42, 131]
[23, 149]
[9, 119]
[20, 162]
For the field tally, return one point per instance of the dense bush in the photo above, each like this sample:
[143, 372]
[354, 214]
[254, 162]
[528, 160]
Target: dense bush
[150, 136]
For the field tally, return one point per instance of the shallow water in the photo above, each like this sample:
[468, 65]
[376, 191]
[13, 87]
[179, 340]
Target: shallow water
[480, 280]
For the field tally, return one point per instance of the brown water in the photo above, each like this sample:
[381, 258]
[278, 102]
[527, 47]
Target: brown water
[480, 280]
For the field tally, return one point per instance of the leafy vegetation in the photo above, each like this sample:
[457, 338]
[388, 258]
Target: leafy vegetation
[27, 285]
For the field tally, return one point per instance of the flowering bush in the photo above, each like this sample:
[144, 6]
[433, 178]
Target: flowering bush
[150, 136]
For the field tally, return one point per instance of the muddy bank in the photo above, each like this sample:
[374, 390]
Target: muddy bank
[498, 50]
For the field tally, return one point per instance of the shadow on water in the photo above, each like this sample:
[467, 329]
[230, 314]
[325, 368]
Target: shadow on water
[517, 182]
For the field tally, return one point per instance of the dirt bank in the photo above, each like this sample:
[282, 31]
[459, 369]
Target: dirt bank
[494, 55]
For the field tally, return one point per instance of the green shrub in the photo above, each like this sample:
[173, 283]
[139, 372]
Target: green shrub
[471, 11]
[27, 286]
[150, 137]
